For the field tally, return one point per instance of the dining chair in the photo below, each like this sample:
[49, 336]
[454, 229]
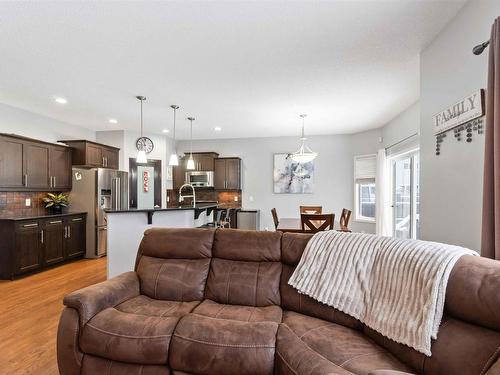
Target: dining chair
[275, 218]
[344, 220]
[217, 219]
[310, 209]
[317, 222]
[226, 221]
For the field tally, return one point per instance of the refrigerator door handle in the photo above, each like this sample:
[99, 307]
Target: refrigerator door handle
[119, 191]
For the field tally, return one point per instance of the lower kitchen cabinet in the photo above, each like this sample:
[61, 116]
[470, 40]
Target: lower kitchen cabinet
[75, 237]
[31, 245]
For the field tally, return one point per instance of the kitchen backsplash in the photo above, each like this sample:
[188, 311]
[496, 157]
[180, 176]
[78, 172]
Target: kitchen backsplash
[225, 198]
[15, 202]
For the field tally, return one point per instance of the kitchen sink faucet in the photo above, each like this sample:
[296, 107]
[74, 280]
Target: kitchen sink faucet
[181, 197]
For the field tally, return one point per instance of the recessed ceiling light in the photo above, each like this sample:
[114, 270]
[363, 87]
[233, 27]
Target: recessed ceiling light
[113, 121]
[218, 129]
[165, 131]
[60, 100]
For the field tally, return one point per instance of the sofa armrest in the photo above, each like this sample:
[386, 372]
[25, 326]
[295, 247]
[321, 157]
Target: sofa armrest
[91, 300]
[389, 372]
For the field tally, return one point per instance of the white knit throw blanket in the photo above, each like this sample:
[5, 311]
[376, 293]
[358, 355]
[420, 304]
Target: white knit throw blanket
[396, 287]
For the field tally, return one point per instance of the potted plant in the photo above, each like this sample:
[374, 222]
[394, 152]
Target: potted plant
[55, 202]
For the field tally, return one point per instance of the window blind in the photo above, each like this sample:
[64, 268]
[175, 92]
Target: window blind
[365, 167]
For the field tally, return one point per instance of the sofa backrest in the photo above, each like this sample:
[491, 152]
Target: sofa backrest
[173, 264]
[468, 341]
[245, 268]
[293, 245]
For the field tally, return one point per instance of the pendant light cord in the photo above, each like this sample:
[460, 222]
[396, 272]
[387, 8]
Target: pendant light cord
[141, 118]
[191, 145]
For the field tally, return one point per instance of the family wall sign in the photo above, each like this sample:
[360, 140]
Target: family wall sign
[465, 115]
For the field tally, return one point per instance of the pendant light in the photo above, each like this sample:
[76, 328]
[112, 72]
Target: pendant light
[141, 154]
[304, 154]
[174, 159]
[190, 162]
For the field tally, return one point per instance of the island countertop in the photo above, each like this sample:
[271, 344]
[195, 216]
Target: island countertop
[198, 206]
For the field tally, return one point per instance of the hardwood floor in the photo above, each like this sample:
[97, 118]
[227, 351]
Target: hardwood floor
[29, 314]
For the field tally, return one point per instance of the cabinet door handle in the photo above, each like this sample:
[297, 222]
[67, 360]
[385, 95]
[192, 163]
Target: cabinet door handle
[69, 231]
[41, 236]
[30, 225]
[77, 219]
[25, 180]
[65, 232]
[54, 181]
[55, 222]
[103, 162]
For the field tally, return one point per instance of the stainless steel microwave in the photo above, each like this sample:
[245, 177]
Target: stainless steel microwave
[200, 178]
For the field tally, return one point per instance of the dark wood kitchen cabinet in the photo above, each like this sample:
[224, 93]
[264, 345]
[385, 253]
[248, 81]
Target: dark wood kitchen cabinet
[179, 173]
[27, 248]
[75, 236]
[31, 245]
[227, 174]
[53, 240]
[203, 161]
[60, 167]
[88, 154]
[30, 165]
[11, 162]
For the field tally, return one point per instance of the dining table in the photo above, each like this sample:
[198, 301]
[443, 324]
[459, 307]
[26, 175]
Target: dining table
[294, 225]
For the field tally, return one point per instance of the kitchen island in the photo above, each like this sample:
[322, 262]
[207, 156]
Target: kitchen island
[126, 228]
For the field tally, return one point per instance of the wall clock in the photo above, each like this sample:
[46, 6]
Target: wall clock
[145, 144]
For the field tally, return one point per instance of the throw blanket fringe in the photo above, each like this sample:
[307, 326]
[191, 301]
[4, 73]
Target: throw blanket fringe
[396, 287]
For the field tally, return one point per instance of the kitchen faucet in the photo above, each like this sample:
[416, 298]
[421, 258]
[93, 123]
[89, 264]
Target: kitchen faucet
[181, 197]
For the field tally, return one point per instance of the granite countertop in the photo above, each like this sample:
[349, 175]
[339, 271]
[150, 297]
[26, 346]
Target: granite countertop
[36, 214]
[199, 206]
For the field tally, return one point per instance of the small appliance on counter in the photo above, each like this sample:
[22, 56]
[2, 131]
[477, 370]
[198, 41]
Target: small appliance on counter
[248, 219]
[95, 190]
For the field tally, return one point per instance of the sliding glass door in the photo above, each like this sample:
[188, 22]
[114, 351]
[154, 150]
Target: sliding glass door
[405, 189]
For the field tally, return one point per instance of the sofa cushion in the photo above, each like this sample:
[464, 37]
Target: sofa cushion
[244, 283]
[94, 365]
[136, 331]
[238, 344]
[243, 313]
[172, 264]
[313, 346]
[173, 279]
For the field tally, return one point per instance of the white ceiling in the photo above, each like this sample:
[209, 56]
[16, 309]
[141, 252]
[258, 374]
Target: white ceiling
[248, 67]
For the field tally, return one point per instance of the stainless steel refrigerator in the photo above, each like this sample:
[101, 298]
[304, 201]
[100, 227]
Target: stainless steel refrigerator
[95, 190]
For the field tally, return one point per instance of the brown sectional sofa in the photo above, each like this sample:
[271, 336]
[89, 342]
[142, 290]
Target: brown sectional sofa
[207, 301]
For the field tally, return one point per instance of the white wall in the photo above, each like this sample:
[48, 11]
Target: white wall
[403, 126]
[333, 174]
[451, 200]
[28, 124]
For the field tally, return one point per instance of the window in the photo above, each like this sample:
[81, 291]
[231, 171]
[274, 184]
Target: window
[406, 195]
[364, 187]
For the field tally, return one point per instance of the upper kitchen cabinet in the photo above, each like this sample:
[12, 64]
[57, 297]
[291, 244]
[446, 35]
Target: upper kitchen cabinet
[204, 161]
[227, 174]
[11, 162]
[30, 165]
[179, 174]
[89, 154]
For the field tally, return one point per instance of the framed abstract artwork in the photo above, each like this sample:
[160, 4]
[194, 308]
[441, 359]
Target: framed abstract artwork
[290, 177]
